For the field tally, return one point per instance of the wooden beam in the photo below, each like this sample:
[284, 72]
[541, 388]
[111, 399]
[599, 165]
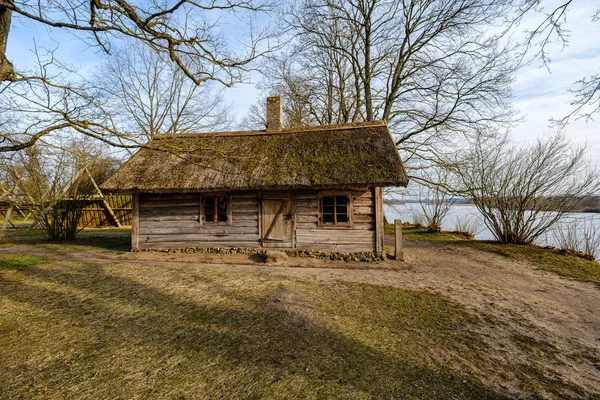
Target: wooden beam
[7, 218]
[378, 192]
[104, 201]
[398, 252]
[135, 221]
[293, 210]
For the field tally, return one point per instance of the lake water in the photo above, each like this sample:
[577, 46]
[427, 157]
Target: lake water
[406, 213]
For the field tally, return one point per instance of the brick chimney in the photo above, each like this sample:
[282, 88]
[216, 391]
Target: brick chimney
[274, 114]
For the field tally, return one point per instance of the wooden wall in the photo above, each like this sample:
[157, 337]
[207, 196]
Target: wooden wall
[171, 221]
[360, 237]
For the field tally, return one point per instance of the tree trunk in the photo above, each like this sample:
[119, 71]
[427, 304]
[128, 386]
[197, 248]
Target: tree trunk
[7, 71]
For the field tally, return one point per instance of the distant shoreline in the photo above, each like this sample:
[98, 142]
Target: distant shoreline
[394, 202]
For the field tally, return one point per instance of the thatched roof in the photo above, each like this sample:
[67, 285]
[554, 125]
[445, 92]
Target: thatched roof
[314, 157]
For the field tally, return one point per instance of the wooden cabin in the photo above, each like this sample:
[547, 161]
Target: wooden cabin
[302, 188]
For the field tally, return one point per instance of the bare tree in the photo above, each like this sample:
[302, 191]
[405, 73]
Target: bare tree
[435, 200]
[51, 97]
[537, 44]
[522, 191]
[428, 68]
[56, 183]
[148, 95]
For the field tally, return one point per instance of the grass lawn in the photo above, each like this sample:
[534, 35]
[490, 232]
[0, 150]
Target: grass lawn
[570, 266]
[80, 330]
[73, 326]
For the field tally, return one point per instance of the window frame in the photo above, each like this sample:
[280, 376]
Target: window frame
[336, 225]
[202, 217]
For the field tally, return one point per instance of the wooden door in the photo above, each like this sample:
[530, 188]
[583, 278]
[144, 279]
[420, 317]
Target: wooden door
[277, 218]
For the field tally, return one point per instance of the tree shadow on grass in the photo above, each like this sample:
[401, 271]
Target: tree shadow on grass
[114, 239]
[166, 342]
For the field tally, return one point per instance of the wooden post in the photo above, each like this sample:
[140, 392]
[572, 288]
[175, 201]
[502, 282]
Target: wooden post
[293, 210]
[378, 193]
[135, 221]
[398, 253]
[7, 217]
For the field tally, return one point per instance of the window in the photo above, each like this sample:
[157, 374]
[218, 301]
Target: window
[216, 208]
[335, 210]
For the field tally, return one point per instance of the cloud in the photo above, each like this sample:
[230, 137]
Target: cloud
[542, 94]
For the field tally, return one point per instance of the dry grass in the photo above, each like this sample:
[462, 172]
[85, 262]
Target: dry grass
[83, 330]
[567, 265]
[77, 327]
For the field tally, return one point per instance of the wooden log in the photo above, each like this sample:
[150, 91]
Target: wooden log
[184, 244]
[307, 218]
[135, 221]
[398, 252]
[365, 210]
[345, 248]
[186, 210]
[168, 197]
[7, 217]
[200, 238]
[208, 231]
[168, 203]
[249, 216]
[169, 218]
[378, 192]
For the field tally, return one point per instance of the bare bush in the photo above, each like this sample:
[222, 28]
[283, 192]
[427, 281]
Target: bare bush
[57, 183]
[579, 236]
[522, 191]
[435, 208]
[467, 226]
[417, 217]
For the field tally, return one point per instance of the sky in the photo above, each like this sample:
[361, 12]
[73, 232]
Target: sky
[540, 91]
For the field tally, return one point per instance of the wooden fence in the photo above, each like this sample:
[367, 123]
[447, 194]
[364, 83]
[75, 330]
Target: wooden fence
[96, 213]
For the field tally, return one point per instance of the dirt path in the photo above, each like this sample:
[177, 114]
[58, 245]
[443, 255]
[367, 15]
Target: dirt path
[558, 315]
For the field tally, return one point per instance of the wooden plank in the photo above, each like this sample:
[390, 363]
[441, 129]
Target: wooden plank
[364, 218]
[356, 226]
[245, 195]
[216, 230]
[247, 203]
[324, 233]
[307, 218]
[187, 210]
[167, 196]
[364, 226]
[253, 209]
[398, 252]
[180, 244]
[170, 218]
[7, 217]
[150, 224]
[199, 237]
[339, 240]
[345, 248]
[135, 221]
[378, 192]
[301, 196]
[167, 203]
[293, 212]
[250, 216]
[306, 225]
[365, 210]
[363, 201]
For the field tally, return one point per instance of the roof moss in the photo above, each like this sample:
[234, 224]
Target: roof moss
[325, 156]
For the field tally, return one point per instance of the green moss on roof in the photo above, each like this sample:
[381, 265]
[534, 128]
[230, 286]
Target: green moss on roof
[326, 156]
